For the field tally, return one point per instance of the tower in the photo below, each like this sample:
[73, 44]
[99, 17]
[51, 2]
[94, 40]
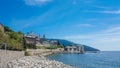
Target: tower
[44, 36]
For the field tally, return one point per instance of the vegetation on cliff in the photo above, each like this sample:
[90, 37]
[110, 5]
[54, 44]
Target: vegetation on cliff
[11, 38]
[16, 41]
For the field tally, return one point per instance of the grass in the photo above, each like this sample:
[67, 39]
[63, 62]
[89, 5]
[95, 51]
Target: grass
[27, 53]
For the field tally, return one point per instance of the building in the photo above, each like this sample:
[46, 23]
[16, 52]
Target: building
[43, 40]
[31, 38]
[54, 42]
[74, 49]
[50, 43]
[1, 27]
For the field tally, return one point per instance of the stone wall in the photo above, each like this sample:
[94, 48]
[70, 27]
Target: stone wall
[44, 52]
[7, 56]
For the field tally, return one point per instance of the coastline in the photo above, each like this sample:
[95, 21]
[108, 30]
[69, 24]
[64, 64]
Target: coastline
[36, 62]
[38, 59]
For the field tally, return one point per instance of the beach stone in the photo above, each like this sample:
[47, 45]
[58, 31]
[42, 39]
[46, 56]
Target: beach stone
[36, 62]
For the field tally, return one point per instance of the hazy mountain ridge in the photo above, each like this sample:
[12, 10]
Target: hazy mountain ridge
[69, 43]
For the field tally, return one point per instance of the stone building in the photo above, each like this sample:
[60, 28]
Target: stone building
[1, 27]
[74, 49]
[31, 38]
[50, 43]
[54, 42]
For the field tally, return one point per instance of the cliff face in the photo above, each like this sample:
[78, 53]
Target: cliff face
[1, 27]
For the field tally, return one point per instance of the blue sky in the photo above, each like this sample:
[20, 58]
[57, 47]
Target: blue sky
[92, 22]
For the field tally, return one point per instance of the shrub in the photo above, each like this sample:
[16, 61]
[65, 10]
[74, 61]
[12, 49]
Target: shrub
[51, 47]
[31, 46]
[27, 53]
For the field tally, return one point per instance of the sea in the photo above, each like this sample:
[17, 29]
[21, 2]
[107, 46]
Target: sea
[104, 59]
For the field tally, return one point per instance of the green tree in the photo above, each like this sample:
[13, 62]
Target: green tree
[24, 43]
[58, 42]
[7, 29]
[20, 32]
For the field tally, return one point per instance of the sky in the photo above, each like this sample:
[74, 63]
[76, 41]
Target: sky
[95, 23]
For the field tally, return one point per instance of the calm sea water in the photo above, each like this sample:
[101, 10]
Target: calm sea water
[90, 60]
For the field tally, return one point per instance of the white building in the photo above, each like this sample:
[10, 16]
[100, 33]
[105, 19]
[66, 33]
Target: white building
[74, 49]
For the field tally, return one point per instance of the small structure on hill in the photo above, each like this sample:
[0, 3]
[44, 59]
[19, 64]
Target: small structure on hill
[74, 49]
[1, 27]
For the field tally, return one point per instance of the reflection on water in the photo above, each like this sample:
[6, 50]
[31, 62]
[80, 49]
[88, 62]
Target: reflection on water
[90, 60]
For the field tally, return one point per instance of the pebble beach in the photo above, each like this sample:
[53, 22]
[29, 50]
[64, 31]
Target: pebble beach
[36, 62]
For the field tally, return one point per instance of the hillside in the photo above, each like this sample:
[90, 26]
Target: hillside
[11, 38]
[88, 48]
[69, 43]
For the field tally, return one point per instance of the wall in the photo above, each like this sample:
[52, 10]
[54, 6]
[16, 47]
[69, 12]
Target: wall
[44, 52]
[6, 56]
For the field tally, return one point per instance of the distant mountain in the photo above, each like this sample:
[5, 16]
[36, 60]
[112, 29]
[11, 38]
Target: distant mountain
[63, 42]
[69, 43]
[88, 48]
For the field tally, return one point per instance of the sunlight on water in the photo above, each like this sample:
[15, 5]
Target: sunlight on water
[90, 60]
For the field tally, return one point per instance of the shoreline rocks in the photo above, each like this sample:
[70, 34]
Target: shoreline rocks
[36, 62]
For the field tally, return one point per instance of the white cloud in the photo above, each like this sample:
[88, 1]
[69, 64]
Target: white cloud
[105, 40]
[106, 11]
[111, 12]
[36, 2]
[113, 29]
[84, 25]
[101, 7]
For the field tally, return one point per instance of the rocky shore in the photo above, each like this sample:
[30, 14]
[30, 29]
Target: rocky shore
[36, 62]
